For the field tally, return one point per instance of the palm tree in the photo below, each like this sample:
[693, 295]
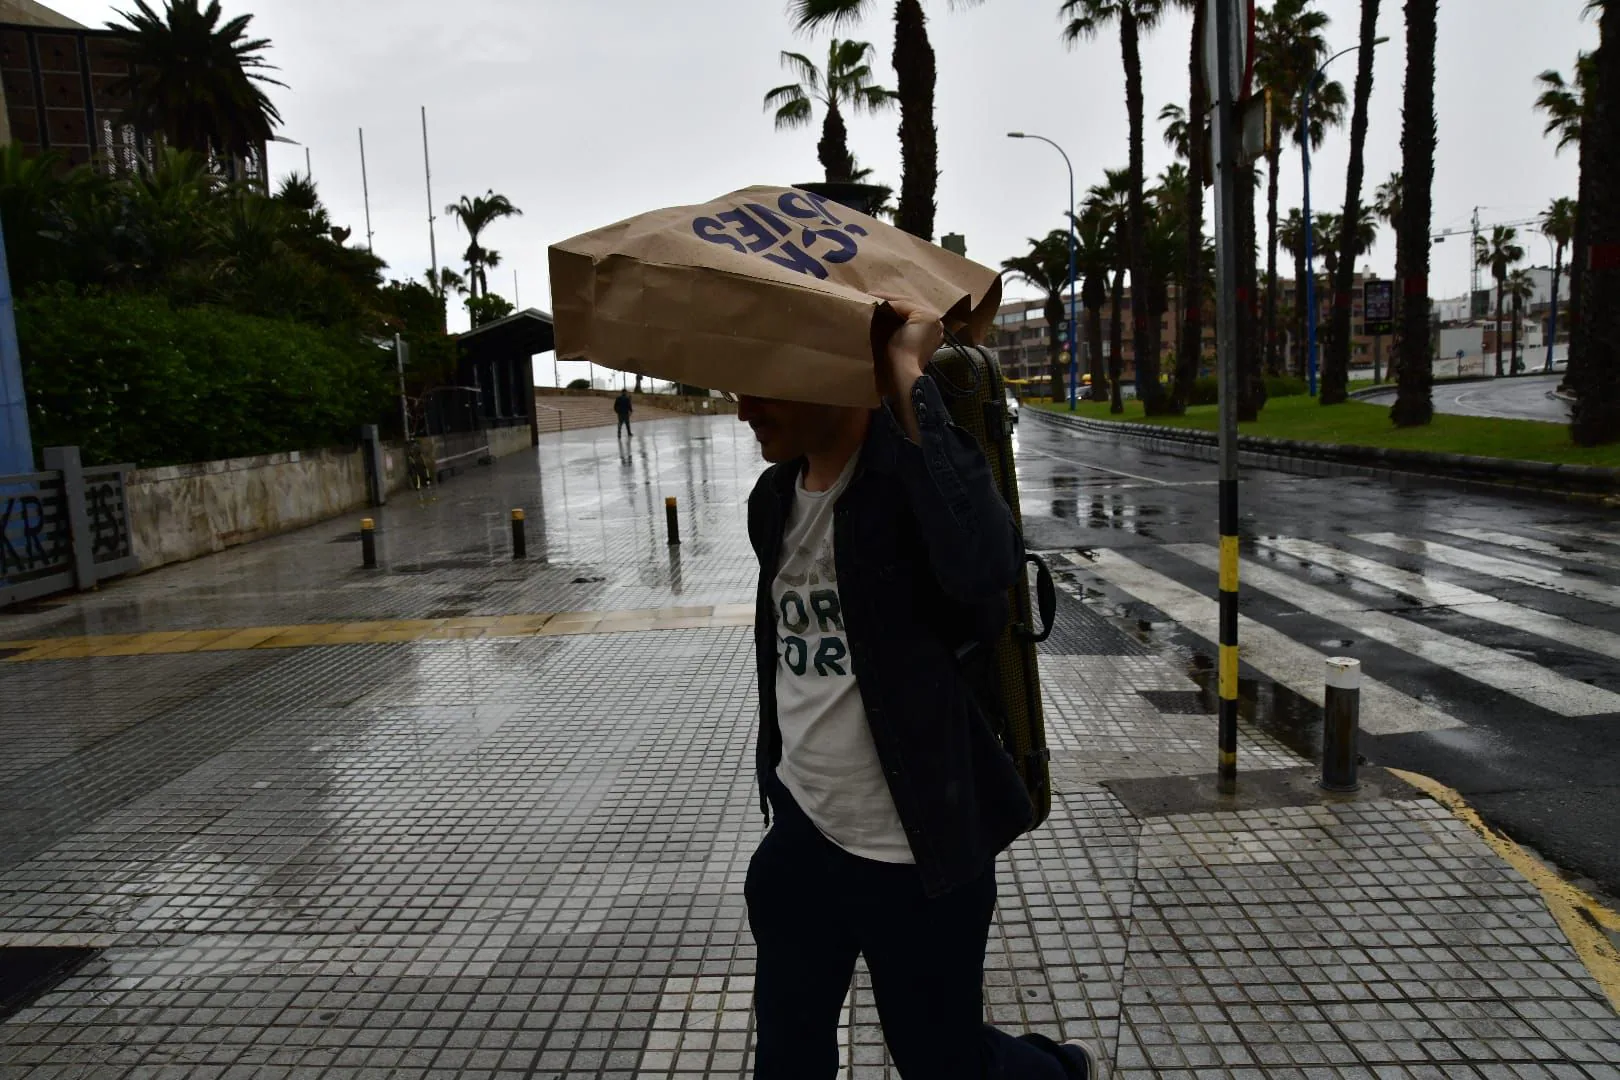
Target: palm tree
[1109, 204]
[475, 215]
[1414, 400]
[1558, 225]
[1291, 235]
[1094, 256]
[1289, 48]
[1565, 103]
[1188, 139]
[1498, 252]
[1521, 288]
[1046, 267]
[198, 82]
[1387, 206]
[1336, 372]
[847, 79]
[914, 70]
[1596, 378]
[1086, 19]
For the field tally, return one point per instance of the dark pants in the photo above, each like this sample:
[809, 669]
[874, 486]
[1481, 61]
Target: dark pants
[814, 908]
[624, 423]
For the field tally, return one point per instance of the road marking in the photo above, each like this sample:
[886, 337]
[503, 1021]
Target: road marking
[1384, 710]
[1582, 918]
[1543, 577]
[1579, 534]
[231, 639]
[1098, 468]
[1533, 546]
[1502, 671]
[1428, 593]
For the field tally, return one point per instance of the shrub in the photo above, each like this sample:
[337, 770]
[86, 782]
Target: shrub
[1206, 389]
[1284, 386]
[580, 384]
[130, 378]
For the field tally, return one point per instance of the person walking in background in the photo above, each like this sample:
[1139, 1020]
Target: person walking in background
[892, 795]
[622, 406]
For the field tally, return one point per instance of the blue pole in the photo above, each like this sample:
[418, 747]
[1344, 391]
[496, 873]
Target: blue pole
[16, 446]
[1552, 325]
[1310, 247]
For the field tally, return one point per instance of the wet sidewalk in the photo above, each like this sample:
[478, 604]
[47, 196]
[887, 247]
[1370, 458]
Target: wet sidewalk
[467, 816]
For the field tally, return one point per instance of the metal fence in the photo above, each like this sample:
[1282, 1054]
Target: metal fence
[64, 528]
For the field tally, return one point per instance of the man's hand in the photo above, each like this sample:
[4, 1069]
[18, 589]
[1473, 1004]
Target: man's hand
[910, 349]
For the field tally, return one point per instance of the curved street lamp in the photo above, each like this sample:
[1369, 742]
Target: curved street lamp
[1310, 229]
[1074, 338]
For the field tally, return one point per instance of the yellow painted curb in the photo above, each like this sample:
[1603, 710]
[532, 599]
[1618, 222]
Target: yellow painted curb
[307, 635]
[1582, 918]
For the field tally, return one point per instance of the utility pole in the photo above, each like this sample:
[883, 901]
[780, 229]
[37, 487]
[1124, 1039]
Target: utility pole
[1229, 36]
[427, 165]
[365, 186]
[517, 304]
[1473, 257]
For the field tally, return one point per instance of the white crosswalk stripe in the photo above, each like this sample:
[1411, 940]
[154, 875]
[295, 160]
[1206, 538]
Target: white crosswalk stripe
[1384, 710]
[1584, 536]
[1427, 592]
[1524, 573]
[1535, 547]
[1499, 670]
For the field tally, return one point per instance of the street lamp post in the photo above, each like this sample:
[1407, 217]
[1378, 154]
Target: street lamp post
[1310, 246]
[1074, 338]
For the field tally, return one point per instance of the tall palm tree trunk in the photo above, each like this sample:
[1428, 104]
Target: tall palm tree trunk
[833, 149]
[1596, 416]
[1116, 343]
[1053, 310]
[1336, 376]
[919, 147]
[1095, 295]
[1189, 347]
[1499, 283]
[1273, 167]
[1144, 349]
[1414, 400]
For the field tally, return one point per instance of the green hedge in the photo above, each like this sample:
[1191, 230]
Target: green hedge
[1206, 390]
[129, 378]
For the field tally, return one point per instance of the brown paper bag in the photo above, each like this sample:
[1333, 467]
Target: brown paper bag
[767, 291]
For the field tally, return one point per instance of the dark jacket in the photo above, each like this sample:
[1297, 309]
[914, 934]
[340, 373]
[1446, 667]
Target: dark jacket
[926, 551]
[621, 405]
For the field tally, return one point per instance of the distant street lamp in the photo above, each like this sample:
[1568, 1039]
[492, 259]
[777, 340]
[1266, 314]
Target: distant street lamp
[1074, 338]
[1310, 252]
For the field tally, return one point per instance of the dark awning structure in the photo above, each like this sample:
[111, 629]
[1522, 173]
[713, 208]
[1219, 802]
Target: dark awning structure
[498, 359]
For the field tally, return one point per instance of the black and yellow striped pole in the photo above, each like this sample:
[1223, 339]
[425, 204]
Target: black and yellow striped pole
[1228, 181]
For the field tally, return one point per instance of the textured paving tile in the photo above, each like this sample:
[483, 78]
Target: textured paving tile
[514, 856]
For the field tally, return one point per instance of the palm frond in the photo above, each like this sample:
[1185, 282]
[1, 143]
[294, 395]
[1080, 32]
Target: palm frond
[796, 113]
[810, 15]
[805, 69]
[782, 95]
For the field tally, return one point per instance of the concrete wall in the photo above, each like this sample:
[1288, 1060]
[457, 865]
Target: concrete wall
[181, 512]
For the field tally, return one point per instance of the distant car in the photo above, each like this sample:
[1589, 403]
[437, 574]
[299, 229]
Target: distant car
[1012, 407]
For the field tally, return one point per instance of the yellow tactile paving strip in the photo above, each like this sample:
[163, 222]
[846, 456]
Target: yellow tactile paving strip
[226, 639]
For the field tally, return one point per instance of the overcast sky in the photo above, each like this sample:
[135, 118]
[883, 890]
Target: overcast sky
[584, 112]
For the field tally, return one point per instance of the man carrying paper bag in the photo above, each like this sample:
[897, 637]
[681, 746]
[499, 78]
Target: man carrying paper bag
[885, 554]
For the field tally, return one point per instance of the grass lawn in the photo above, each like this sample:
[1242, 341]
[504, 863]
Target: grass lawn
[1359, 424]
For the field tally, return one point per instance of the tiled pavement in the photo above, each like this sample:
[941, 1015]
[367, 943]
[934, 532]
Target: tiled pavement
[514, 856]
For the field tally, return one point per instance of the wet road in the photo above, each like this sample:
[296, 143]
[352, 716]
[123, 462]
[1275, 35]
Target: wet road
[1526, 397]
[1488, 628]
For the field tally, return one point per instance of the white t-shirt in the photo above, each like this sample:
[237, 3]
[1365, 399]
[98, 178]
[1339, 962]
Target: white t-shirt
[829, 762]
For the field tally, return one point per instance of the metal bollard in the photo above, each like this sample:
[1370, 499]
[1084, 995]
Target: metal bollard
[671, 520]
[520, 543]
[368, 543]
[1340, 739]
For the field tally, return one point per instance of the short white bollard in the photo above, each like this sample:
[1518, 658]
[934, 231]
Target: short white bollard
[1341, 735]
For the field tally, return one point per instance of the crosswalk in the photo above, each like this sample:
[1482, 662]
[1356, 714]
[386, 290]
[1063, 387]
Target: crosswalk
[1498, 620]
